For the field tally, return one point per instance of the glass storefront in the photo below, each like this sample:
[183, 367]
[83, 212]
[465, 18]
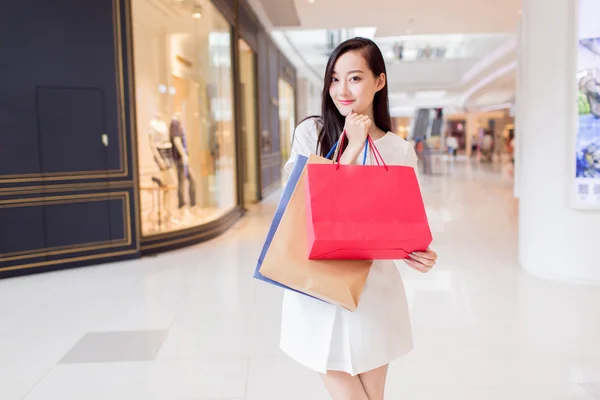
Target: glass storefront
[185, 119]
[287, 118]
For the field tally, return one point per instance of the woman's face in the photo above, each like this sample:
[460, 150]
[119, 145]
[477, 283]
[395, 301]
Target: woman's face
[353, 86]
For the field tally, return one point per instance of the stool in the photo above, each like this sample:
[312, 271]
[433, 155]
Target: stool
[159, 203]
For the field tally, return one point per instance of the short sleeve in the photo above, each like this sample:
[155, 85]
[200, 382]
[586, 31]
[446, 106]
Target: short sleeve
[304, 142]
[411, 161]
[411, 158]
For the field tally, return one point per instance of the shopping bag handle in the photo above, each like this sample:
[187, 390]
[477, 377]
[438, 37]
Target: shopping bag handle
[368, 144]
[340, 142]
[376, 151]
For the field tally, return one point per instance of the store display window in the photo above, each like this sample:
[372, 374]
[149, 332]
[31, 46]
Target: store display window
[184, 114]
[287, 118]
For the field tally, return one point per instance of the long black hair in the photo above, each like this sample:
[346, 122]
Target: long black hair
[331, 121]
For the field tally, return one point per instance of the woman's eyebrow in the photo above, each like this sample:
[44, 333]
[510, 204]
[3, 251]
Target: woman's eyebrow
[354, 71]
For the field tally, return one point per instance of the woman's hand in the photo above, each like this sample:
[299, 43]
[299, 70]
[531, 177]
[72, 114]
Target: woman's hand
[357, 128]
[422, 261]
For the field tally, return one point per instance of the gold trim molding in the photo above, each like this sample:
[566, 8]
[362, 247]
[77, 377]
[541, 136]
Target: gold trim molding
[71, 199]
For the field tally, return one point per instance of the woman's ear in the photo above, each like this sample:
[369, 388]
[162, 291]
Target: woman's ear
[380, 83]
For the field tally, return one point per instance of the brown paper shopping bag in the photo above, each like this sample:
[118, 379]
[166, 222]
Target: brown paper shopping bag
[339, 282]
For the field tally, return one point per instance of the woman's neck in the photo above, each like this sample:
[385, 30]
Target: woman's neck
[376, 133]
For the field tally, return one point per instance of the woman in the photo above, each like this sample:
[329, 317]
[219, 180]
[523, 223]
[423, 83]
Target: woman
[352, 350]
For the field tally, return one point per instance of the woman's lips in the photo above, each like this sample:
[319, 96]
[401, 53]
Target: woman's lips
[346, 102]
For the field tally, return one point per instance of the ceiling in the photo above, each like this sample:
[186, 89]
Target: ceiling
[393, 18]
[477, 36]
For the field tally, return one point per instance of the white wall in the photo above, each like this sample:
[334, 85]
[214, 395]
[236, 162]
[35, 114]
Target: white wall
[555, 240]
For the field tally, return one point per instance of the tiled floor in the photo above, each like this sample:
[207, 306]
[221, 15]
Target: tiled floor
[194, 325]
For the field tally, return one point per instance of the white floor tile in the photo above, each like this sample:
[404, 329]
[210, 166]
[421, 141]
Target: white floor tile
[17, 379]
[279, 377]
[25, 358]
[218, 379]
[550, 392]
[422, 369]
[572, 392]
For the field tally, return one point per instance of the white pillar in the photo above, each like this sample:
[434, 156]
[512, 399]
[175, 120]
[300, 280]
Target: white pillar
[555, 240]
[471, 130]
[520, 100]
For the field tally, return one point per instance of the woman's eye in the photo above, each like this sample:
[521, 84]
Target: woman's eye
[355, 79]
[334, 79]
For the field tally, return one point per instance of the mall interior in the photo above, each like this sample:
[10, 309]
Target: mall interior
[130, 231]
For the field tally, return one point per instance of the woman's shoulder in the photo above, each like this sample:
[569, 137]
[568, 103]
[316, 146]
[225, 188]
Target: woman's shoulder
[307, 131]
[310, 124]
[397, 141]
[399, 150]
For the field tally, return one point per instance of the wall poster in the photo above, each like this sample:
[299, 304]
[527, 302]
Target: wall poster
[587, 142]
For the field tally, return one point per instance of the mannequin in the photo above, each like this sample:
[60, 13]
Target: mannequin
[181, 159]
[160, 144]
[162, 149]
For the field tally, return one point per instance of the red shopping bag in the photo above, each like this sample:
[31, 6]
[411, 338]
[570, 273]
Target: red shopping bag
[364, 212]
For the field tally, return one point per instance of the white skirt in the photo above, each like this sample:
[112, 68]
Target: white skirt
[324, 337]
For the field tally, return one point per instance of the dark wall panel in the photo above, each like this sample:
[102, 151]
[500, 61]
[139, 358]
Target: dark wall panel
[62, 90]
[71, 123]
[227, 8]
[73, 224]
[248, 26]
[21, 229]
[120, 219]
[70, 45]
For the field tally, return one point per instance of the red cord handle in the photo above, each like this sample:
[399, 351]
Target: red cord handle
[370, 143]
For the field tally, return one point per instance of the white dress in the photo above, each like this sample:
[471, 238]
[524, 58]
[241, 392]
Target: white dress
[323, 336]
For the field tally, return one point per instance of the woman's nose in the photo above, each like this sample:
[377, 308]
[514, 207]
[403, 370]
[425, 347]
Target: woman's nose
[344, 88]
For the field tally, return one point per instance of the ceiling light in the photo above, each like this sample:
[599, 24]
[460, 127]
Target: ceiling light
[197, 11]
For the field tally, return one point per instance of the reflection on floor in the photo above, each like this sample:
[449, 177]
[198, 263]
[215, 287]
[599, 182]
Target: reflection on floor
[194, 325]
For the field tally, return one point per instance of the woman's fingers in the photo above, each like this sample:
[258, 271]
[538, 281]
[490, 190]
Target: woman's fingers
[417, 266]
[350, 117]
[422, 259]
[429, 254]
